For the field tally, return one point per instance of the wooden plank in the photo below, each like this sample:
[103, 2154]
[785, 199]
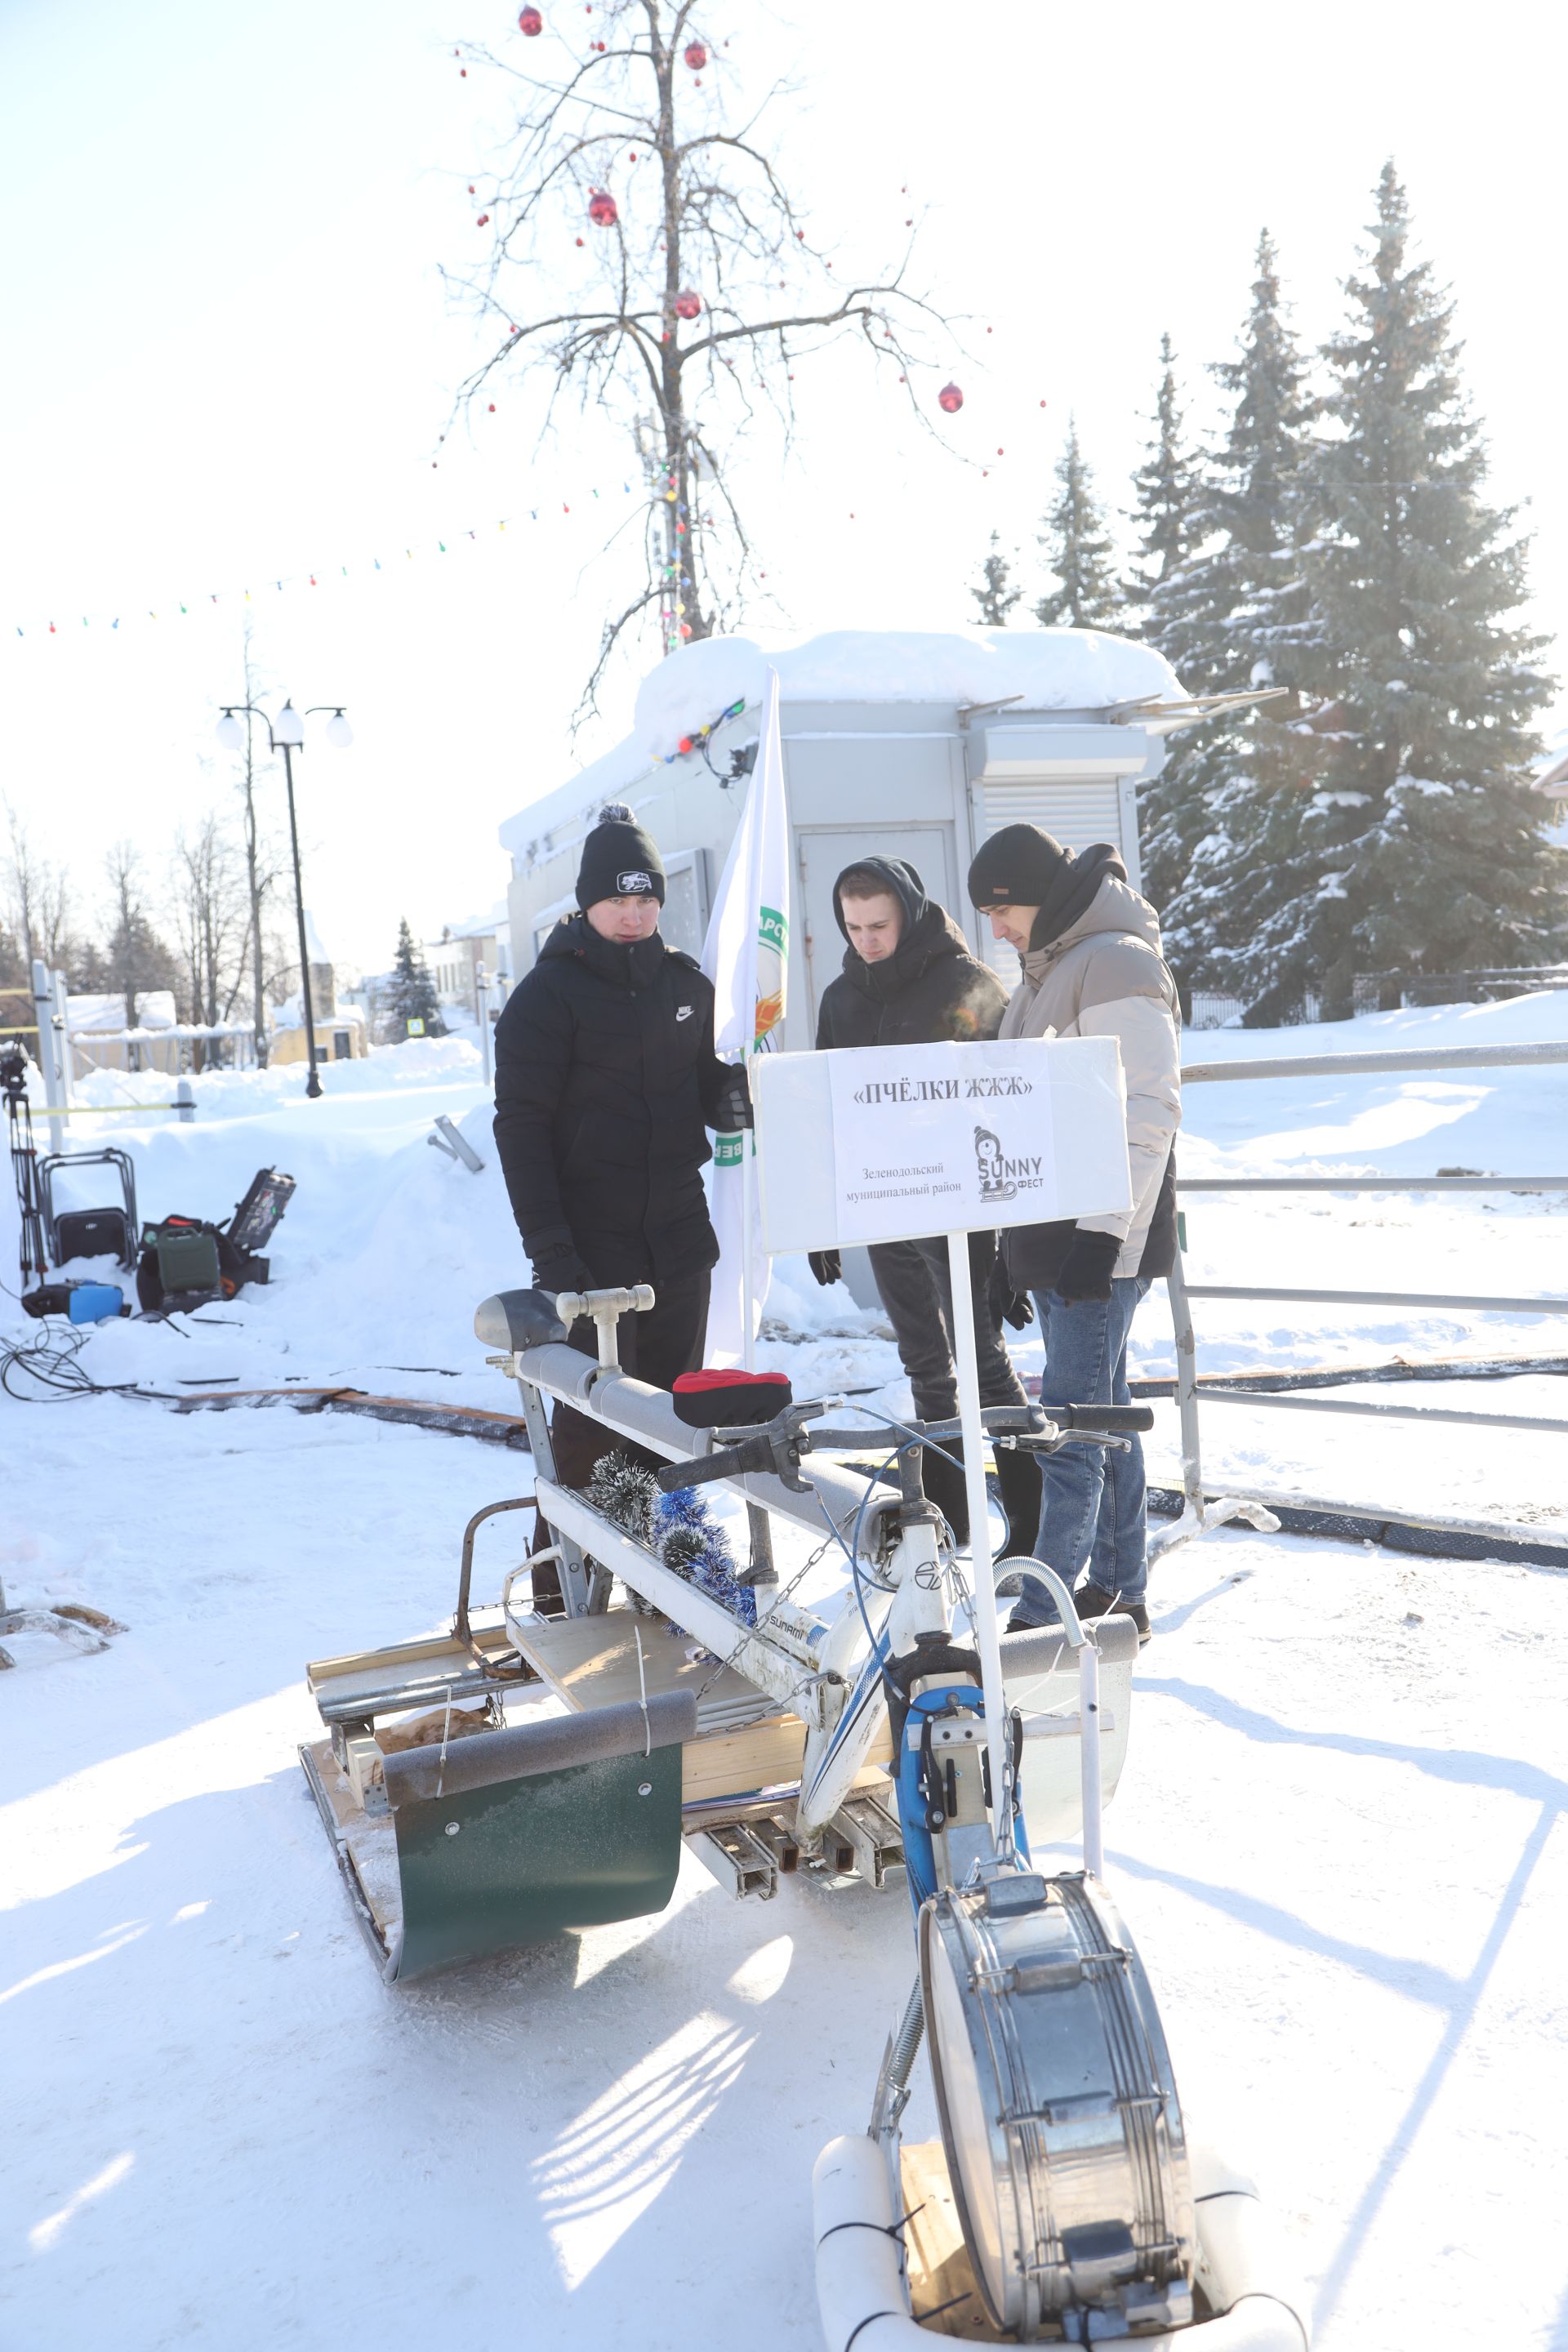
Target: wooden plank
[592, 1662]
[743, 1742]
[941, 2280]
[738, 1763]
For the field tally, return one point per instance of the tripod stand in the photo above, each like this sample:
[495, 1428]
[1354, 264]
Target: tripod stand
[24, 1161]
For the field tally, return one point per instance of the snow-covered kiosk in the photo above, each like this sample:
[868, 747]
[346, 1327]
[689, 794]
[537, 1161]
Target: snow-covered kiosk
[904, 744]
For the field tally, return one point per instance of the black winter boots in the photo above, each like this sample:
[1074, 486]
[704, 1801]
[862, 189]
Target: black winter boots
[1018, 1477]
[1091, 1602]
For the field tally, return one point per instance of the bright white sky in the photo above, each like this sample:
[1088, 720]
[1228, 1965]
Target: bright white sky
[229, 356]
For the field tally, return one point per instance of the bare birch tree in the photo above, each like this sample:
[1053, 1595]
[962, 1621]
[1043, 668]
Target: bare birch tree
[136, 959]
[211, 905]
[702, 285]
[38, 898]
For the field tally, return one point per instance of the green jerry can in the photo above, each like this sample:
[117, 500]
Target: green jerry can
[187, 1258]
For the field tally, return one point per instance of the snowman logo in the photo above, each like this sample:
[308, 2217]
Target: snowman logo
[994, 1184]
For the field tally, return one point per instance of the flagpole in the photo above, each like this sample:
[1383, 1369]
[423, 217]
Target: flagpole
[748, 1316]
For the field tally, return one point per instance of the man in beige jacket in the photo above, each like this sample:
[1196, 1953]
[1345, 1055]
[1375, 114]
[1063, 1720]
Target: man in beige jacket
[1092, 968]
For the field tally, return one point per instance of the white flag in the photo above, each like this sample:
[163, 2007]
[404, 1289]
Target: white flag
[745, 955]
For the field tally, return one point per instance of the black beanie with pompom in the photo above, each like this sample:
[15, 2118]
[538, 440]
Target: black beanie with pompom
[619, 860]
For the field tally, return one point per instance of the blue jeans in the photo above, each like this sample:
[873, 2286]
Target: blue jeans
[1091, 1500]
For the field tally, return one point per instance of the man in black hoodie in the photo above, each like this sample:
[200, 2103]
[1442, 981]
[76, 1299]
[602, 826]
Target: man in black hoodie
[605, 1082]
[909, 979]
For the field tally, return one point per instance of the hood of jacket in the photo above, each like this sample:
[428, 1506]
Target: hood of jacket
[1073, 889]
[929, 933]
[628, 963]
[1115, 907]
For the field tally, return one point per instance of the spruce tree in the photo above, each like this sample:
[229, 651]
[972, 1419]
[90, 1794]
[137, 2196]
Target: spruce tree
[1227, 619]
[1168, 494]
[411, 993]
[1409, 835]
[994, 596]
[1080, 550]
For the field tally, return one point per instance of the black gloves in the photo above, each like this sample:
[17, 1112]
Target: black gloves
[732, 1110]
[1018, 1308]
[826, 1264]
[1087, 1269]
[556, 1265]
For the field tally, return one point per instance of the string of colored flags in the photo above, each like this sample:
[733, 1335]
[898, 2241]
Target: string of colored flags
[175, 607]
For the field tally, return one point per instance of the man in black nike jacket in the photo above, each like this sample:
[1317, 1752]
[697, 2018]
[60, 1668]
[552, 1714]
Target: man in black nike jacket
[910, 979]
[606, 1082]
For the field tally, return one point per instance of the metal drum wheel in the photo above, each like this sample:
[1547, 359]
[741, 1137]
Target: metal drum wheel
[1059, 2113]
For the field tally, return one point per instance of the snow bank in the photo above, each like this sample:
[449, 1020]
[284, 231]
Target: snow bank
[419, 1063]
[1508, 1121]
[1049, 669]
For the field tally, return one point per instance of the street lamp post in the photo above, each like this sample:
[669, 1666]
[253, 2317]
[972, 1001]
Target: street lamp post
[286, 733]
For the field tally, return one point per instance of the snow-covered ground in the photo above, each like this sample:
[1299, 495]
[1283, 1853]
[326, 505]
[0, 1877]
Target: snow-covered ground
[1339, 1840]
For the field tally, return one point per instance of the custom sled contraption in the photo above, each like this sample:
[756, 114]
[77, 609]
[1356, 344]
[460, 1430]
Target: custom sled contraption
[522, 1775]
[535, 1772]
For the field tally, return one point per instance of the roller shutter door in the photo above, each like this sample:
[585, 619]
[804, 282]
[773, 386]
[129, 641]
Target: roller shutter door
[1076, 810]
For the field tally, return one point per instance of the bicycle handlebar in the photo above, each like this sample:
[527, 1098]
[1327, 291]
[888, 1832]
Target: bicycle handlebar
[761, 1451]
[1118, 1420]
[728, 1462]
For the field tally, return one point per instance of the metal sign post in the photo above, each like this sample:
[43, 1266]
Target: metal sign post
[987, 1637]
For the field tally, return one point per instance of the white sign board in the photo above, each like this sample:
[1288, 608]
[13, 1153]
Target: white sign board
[889, 1143]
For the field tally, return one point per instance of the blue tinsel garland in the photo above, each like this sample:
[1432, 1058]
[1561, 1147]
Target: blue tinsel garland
[710, 1564]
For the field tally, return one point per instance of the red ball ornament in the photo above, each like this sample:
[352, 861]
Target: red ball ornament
[579, 240]
[949, 400]
[482, 219]
[685, 742]
[530, 22]
[687, 303]
[602, 208]
[492, 408]
[695, 55]
[685, 628]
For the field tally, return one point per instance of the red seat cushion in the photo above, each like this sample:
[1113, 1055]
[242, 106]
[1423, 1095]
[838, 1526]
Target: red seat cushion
[730, 1400]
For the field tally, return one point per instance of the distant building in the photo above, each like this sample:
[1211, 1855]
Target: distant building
[463, 949]
[100, 1041]
[342, 1034]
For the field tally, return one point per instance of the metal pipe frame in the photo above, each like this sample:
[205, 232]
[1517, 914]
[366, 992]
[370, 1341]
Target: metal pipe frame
[1425, 1298]
[1384, 1411]
[1199, 1515]
[1372, 1183]
[1350, 1066]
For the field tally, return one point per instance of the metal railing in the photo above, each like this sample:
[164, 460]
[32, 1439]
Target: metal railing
[1203, 1507]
